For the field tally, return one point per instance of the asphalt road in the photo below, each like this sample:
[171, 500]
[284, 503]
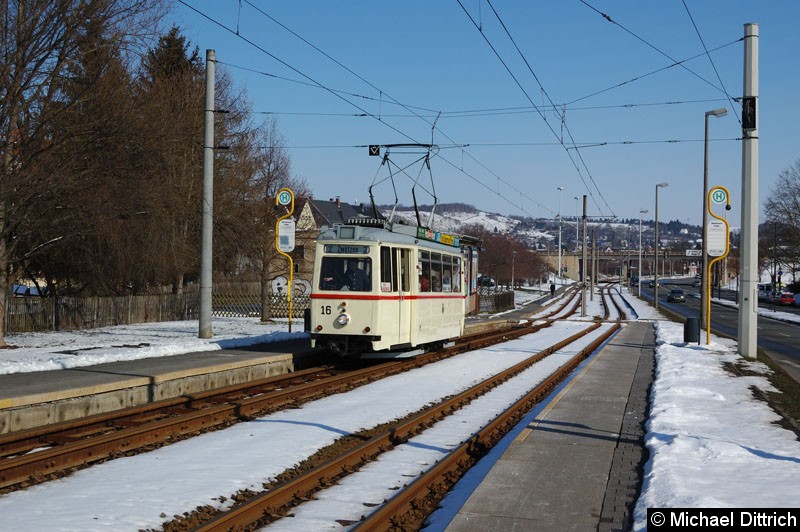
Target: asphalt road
[780, 340]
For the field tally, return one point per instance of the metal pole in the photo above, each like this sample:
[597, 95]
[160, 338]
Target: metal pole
[207, 219]
[560, 192]
[655, 286]
[583, 269]
[513, 260]
[748, 298]
[576, 224]
[593, 277]
[641, 212]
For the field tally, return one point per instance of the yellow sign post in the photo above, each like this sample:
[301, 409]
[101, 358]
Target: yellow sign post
[284, 238]
[719, 243]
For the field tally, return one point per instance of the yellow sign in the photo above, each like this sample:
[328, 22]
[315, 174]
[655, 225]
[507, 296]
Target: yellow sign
[284, 238]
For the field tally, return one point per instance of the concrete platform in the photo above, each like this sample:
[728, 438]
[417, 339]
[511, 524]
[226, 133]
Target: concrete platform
[29, 400]
[34, 399]
[576, 466]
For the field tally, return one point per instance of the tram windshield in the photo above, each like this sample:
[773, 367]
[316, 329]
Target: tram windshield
[346, 273]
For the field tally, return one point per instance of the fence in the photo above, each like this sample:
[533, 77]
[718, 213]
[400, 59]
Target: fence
[491, 301]
[35, 314]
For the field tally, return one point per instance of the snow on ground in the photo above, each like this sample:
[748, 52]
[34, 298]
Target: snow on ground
[711, 444]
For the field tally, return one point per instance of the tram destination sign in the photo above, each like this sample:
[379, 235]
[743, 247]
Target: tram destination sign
[346, 249]
[436, 236]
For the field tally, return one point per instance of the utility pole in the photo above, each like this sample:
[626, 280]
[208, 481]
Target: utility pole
[584, 265]
[560, 191]
[207, 219]
[748, 297]
[593, 278]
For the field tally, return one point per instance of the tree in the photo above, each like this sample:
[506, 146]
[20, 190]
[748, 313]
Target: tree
[782, 206]
[39, 41]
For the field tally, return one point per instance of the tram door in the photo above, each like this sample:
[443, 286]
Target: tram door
[396, 278]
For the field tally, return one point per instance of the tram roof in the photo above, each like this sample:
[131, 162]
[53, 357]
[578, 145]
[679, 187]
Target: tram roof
[379, 230]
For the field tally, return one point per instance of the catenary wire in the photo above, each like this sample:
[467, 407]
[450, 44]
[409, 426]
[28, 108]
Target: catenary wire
[538, 110]
[654, 47]
[564, 124]
[699, 36]
[320, 85]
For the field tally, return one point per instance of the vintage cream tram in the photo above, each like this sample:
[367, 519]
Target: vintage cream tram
[386, 289]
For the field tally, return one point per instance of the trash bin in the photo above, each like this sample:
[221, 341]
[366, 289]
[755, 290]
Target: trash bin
[691, 330]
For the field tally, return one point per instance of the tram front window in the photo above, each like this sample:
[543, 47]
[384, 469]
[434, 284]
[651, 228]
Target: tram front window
[348, 274]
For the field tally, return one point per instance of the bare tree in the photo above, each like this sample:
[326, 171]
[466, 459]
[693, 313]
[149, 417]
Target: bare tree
[39, 41]
[783, 204]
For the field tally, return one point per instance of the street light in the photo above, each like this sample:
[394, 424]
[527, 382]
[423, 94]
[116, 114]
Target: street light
[576, 224]
[560, 192]
[655, 287]
[703, 277]
[641, 212]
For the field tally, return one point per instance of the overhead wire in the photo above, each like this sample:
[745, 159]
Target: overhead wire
[637, 78]
[527, 96]
[286, 28]
[649, 44]
[722, 83]
[367, 113]
[563, 121]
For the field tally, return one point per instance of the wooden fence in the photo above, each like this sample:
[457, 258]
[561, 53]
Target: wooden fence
[35, 314]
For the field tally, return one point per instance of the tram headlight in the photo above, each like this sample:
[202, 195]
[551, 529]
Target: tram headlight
[342, 319]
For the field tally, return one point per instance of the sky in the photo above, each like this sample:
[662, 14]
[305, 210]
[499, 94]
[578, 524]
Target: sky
[707, 436]
[481, 79]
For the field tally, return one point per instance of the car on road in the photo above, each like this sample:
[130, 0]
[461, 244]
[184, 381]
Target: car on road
[676, 295]
[652, 284]
[786, 299]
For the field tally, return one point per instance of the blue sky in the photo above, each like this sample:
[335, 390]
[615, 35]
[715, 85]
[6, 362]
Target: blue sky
[501, 150]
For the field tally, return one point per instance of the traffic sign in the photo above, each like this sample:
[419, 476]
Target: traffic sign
[719, 196]
[694, 252]
[717, 238]
[285, 197]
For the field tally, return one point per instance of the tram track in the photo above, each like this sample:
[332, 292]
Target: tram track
[412, 504]
[37, 455]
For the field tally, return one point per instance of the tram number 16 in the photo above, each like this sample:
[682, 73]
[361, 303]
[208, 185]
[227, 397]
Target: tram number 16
[325, 309]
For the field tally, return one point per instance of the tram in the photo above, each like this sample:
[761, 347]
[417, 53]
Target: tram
[387, 289]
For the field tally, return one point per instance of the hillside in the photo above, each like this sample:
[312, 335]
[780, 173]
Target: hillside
[540, 233]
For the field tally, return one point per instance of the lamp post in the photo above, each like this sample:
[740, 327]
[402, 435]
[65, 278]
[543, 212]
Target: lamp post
[703, 281]
[576, 224]
[560, 193]
[655, 286]
[641, 212]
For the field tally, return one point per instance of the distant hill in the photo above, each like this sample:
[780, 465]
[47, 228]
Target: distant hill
[540, 233]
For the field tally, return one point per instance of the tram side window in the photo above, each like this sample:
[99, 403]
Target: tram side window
[436, 272]
[346, 273]
[388, 269]
[447, 274]
[456, 274]
[405, 261]
[424, 271]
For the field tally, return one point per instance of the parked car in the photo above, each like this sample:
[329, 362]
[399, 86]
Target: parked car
[786, 299]
[676, 295]
[484, 280]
